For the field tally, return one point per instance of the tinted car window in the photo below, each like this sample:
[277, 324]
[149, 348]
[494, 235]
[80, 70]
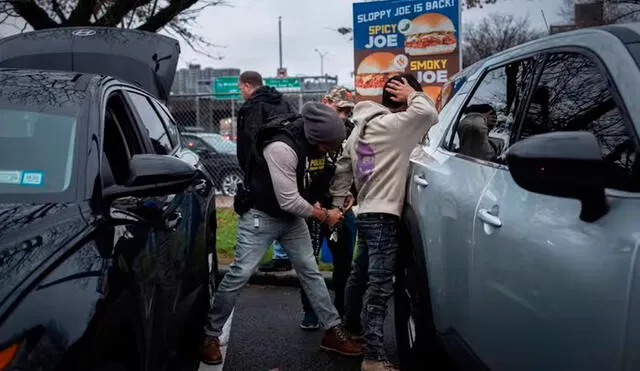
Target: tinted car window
[219, 144]
[150, 119]
[573, 94]
[172, 130]
[485, 125]
[36, 151]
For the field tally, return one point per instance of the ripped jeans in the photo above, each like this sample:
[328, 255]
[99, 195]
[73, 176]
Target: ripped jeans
[372, 278]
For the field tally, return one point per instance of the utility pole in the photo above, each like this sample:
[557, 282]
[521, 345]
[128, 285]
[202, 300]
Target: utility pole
[322, 55]
[280, 39]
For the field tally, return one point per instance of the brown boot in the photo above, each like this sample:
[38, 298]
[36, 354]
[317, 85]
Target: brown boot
[211, 354]
[356, 333]
[369, 365]
[337, 340]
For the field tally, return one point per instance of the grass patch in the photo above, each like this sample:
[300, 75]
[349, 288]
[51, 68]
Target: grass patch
[226, 239]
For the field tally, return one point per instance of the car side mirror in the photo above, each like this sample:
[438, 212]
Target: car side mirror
[153, 175]
[562, 164]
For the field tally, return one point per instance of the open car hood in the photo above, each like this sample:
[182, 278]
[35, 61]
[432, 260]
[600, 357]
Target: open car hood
[143, 58]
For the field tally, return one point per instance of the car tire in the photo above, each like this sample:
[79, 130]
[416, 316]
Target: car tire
[418, 345]
[229, 183]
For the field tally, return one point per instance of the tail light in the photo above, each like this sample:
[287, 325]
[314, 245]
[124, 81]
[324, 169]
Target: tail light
[8, 354]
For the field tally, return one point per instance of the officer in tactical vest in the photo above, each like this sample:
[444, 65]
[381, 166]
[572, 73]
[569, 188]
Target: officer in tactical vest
[275, 209]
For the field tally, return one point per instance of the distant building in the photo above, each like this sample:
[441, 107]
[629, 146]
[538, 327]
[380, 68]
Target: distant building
[195, 80]
[587, 13]
[309, 84]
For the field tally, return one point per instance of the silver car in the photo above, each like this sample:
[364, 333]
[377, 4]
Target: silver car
[525, 247]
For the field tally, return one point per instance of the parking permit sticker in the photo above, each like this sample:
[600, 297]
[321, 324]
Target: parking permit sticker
[10, 176]
[34, 178]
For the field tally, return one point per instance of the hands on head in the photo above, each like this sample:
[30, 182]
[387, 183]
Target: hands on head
[400, 90]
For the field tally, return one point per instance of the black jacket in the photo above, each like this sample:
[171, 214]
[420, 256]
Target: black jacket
[262, 105]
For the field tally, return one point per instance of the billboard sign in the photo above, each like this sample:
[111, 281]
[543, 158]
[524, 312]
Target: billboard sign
[402, 36]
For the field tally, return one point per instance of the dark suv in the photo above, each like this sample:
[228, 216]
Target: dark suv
[219, 156]
[107, 219]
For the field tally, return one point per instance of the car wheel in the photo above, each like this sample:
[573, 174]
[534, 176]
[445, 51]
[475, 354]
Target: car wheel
[229, 184]
[415, 332]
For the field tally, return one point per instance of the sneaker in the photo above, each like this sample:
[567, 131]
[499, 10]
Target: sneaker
[276, 265]
[309, 321]
[337, 340]
[369, 365]
[211, 354]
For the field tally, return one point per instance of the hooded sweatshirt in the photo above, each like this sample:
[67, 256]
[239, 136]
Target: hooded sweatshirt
[376, 154]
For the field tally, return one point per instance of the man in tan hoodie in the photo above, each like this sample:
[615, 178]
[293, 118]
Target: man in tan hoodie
[376, 157]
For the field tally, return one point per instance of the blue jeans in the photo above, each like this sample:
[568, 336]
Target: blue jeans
[371, 281]
[256, 231]
[342, 253]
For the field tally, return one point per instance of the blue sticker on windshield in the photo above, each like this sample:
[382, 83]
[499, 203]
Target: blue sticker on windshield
[34, 178]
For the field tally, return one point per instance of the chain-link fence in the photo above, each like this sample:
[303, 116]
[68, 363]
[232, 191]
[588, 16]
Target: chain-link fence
[208, 127]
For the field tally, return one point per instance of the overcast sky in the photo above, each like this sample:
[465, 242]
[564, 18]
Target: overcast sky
[249, 32]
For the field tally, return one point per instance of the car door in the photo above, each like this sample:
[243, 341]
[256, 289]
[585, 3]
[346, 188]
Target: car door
[550, 291]
[181, 285]
[446, 186]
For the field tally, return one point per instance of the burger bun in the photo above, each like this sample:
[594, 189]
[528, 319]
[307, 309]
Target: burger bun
[431, 22]
[376, 63]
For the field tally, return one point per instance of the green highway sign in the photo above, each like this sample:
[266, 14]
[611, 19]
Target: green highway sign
[226, 87]
[283, 83]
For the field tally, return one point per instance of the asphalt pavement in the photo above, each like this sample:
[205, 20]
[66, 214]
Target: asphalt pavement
[265, 335]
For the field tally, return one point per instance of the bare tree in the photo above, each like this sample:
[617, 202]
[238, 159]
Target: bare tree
[493, 34]
[176, 17]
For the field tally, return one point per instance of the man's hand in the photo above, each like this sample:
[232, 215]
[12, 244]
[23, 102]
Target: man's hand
[400, 90]
[334, 217]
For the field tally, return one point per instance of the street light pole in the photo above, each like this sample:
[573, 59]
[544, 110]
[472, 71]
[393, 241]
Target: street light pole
[322, 55]
[280, 39]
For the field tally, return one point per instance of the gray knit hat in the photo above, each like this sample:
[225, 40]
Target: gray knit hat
[322, 125]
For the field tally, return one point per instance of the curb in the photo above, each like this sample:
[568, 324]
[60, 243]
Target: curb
[288, 279]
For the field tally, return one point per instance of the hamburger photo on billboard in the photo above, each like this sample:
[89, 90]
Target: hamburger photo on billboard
[430, 34]
[374, 71]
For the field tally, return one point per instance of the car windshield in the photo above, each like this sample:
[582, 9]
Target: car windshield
[219, 143]
[36, 151]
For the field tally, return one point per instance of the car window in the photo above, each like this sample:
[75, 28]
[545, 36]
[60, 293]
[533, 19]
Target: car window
[445, 119]
[573, 94]
[484, 126]
[194, 143]
[152, 122]
[169, 123]
[219, 143]
[36, 151]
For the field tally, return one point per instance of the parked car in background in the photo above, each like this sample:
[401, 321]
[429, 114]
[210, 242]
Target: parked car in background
[525, 245]
[107, 220]
[219, 155]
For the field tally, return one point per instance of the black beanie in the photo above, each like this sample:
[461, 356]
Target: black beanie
[322, 125]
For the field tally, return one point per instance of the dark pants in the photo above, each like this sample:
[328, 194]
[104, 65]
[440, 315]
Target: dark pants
[371, 280]
[342, 253]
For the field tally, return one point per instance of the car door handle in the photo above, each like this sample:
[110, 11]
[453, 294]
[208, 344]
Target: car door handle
[487, 217]
[420, 180]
